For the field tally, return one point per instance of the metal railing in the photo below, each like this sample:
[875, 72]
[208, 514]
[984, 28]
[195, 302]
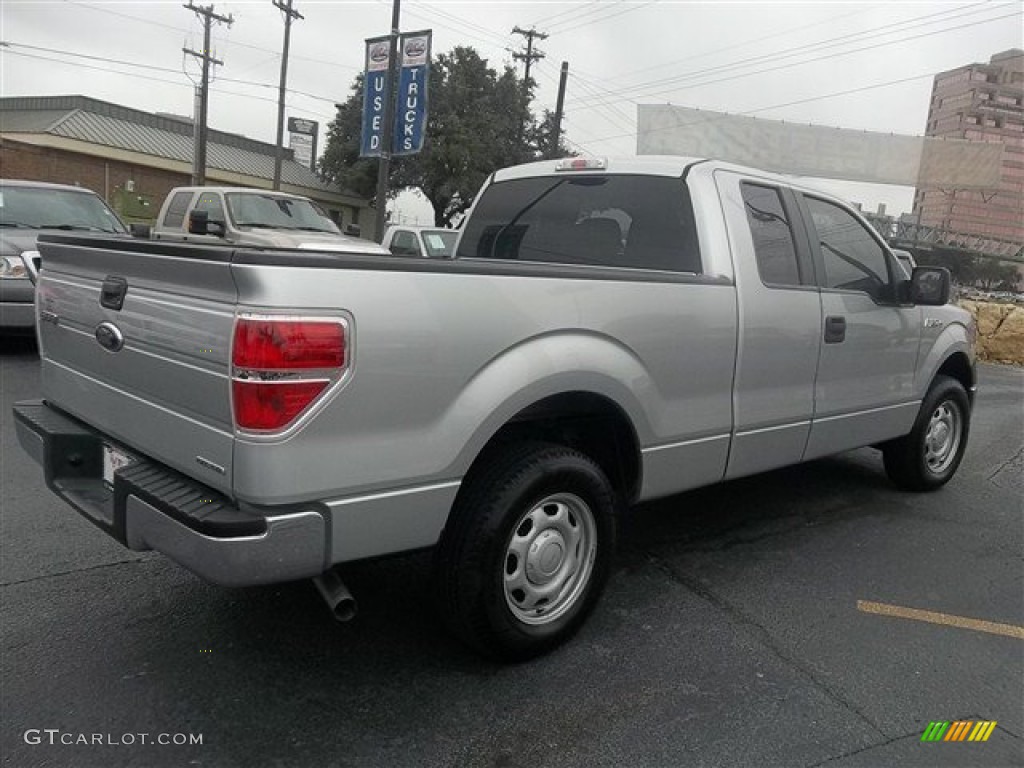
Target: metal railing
[909, 234]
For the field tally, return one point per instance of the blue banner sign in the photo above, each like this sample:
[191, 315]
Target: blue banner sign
[375, 93]
[411, 106]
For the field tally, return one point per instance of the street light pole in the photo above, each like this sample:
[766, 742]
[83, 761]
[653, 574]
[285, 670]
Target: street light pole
[388, 133]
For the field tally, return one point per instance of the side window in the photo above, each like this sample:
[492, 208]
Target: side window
[210, 201]
[853, 259]
[404, 244]
[176, 210]
[635, 221]
[774, 247]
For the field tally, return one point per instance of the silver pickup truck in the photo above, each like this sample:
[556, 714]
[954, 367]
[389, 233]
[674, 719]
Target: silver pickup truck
[609, 332]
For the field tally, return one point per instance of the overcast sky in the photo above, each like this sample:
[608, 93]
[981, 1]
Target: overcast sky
[797, 61]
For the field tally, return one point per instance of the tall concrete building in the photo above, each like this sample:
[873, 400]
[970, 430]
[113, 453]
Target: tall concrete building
[982, 102]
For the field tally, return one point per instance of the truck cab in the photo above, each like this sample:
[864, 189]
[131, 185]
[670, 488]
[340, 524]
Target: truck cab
[254, 217]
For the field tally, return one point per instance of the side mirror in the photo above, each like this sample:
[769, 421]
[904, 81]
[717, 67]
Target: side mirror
[143, 231]
[199, 222]
[930, 286]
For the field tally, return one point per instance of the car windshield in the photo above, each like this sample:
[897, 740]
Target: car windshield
[52, 208]
[249, 209]
[440, 243]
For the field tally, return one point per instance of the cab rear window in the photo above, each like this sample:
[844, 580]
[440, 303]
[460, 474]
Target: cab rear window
[633, 221]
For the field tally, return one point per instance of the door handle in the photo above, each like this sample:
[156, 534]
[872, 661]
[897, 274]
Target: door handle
[835, 329]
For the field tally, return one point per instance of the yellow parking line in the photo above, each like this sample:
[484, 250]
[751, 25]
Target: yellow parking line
[978, 625]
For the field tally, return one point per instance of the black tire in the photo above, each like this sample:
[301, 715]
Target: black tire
[527, 516]
[928, 457]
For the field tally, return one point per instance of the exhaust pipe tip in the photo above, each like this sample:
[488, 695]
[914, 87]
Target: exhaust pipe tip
[345, 610]
[339, 600]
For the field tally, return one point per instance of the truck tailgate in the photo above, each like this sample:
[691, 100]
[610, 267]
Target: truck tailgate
[135, 341]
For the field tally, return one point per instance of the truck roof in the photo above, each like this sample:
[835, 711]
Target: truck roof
[253, 190]
[650, 165]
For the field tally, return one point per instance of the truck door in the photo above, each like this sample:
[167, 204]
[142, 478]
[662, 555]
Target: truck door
[865, 384]
[779, 324]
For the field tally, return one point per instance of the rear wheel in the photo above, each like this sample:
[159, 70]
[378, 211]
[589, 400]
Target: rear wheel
[929, 456]
[527, 550]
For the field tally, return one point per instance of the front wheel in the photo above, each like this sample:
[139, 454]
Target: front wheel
[928, 457]
[527, 550]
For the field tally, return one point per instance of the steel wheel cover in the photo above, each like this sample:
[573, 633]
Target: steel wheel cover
[549, 558]
[942, 437]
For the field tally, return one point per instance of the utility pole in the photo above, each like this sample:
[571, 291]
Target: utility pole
[388, 133]
[289, 14]
[531, 55]
[199, 148]
[559, 105]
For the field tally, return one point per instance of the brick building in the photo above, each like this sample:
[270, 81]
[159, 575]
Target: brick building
[133, 158]
[981, 102]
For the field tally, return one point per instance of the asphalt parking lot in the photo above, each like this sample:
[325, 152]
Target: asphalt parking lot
[766, 622]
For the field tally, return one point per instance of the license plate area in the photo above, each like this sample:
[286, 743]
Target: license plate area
[114, 459]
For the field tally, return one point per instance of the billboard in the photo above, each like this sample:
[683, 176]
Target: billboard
[302, 135]
[813, 150]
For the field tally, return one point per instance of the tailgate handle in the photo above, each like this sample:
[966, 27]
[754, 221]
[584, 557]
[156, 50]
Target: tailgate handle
[112, 292]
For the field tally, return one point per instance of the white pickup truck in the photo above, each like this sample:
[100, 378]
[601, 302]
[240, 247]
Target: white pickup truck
[420, 242]
[608, 332]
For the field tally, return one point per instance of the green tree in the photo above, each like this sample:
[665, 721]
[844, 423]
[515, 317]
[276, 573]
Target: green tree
[542, 136]
[478, 121]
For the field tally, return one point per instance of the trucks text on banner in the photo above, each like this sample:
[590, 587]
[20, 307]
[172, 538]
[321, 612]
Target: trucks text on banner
[411, 107]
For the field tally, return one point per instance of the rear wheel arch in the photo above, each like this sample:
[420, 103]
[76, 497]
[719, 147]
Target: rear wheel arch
[590, 423]
[527, 551]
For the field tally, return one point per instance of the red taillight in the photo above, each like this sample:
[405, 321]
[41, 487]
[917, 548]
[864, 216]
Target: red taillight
[272, 404]
[266, 344]
[281, 366]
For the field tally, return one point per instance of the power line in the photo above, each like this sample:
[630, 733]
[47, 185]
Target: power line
[612, 113]
[472, 36]
[574, 27]
[155, 68]
[676, 81]
[820, 97]
[591, 9]
[235, 43]
[744, 44]
[92, 58]
[176, 83]
[596, 89]
[797, 50]
[572, 9]
[479, 30]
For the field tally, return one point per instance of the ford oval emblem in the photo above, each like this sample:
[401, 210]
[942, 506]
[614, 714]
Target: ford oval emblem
[109, 336]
